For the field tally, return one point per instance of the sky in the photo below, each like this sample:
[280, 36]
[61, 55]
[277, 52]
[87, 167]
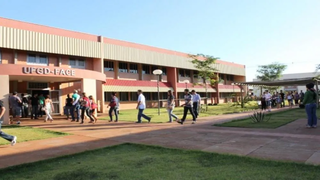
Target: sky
[249, 32]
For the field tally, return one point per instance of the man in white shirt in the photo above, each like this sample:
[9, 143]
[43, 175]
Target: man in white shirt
[196, 99]
[268, 100]
[141, 106]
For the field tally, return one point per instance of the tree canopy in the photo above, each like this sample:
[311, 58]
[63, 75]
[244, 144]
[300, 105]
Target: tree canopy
[271, 72]
[204, 65]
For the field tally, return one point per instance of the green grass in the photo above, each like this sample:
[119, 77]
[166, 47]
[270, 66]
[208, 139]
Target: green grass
[277, 119]
[141, 162]
[28, 133]
[131, 115]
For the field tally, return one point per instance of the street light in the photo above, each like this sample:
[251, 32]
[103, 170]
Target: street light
[187, 82]
[158, 72]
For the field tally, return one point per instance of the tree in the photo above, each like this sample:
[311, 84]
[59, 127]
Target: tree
[206, 70]
[271, 72]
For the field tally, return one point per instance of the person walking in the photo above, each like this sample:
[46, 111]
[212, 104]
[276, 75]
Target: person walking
[34, 106]
[93, 108]
[48, 109]
[114, 105]
[283, 102]
[141, 106]
[15, 105]
[290, 99]
[85, 108]
[25, 106]
[68, 106]
[268, 97]
[296, 98]
[75, 106]
[187, 106]
[278, 99]
[10, 138]
[310, 102]
[301, 95]
[170, 106]
[41, 105]
[196, 102]
[263, 102]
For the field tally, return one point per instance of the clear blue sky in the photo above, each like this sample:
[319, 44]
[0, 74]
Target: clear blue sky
[249, 32]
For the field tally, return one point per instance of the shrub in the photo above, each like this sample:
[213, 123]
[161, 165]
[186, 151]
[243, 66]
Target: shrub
[258, 117]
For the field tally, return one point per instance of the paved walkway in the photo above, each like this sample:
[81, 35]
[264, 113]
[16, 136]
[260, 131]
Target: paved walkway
[289, 143]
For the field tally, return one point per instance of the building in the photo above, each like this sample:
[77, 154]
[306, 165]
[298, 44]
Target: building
[46, 60]
[257, 90]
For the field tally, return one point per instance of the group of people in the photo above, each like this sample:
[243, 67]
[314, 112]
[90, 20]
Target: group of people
[279, 99]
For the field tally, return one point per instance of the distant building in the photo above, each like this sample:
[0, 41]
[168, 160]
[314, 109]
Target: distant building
[256, 89]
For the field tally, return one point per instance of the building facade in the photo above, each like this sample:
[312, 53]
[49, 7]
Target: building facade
[46, 60]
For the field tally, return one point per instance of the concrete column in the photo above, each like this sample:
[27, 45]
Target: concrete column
[116, 69]
[4, 96]
[140, 71]
[172, 78]
[100, 96]
[88, 86]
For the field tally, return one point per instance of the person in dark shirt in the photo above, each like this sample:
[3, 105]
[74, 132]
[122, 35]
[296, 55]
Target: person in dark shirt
[282, 99]
[68, 106]
[35, 106]
[25, 104]
[12, 139]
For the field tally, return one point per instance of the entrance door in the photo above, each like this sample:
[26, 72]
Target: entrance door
[55, 95]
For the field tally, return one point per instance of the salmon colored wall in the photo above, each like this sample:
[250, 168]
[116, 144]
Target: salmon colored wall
[109, 74]
[53, 60]
[89, 64]
[64, 62]
[149, 77]
[22, 87]
[239, 78]
[7, 56]
[164, 78]
[21, 57]
[128, 76]
[182, 79]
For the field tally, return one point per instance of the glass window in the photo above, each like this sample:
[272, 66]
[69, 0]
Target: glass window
[187, 73]
[164, 95]
[196, 74]
[134, 96]
[181, 95]
[123, 96]
[153, 68]
[231, 77]
[145, 69]
[133, 68]
[77, 63]
[37, 59]
[181, 72]
[154, 96]
[72, 62]
[164, 71]
[81, 63]
[147, 95]
[107, 96]
[108, 66]
[123, 67]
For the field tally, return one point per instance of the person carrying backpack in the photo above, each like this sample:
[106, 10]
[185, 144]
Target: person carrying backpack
[114, 105]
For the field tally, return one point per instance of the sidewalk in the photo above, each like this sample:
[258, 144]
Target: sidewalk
[289, 143]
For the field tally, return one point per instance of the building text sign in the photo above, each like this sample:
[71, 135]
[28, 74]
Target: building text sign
[43, 70]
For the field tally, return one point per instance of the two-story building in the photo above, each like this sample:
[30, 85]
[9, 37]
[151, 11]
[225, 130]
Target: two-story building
[46, 60]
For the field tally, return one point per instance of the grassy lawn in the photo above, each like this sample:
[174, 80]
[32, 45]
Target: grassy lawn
[277, 119]
[131, 115]
[140, 162]
[28, 133]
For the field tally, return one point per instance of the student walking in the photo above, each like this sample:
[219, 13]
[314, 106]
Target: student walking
[12, 139]
[41, 105]
[141, 106]
[85, 108]
[196, 102]
[48, 109]
[75, 106]
[310, 102]
[68, 106]
[25, 106]
[187, 106]
[170, 106]
[263, 102]
[114, 105]
[93, 108]
[268, 97]
[15, 104]
[296, 98]
[34, 101]
[290, 99]
[283, 102]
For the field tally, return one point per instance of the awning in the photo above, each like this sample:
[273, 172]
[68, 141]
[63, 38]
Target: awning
[283, 82]
[135, 89]
[118, 85]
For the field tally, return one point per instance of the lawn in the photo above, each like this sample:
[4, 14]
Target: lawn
[28, 133]
[131, 115]
[141, 162]
[277, 119]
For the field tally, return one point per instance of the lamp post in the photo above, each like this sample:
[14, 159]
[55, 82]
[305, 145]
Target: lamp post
[233, 92]
[187, 82]
[158, 72]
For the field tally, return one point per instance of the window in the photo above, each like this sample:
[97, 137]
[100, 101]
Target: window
[123, 67]
[164, 71]
[181, 73]
[164, 95]
[203, 94]
[107, 96]
[77, 63]
[134, 96]
[196, 74]
[0, 57]
[37, 60]
[231, 78]
[147, 95]
[154, 96]
[123, 96]
[153, 68]
[108, 66]
[221, 78]
[145, 69]
[180, 95]
[187, 73]
[37, 85]
[133, 68]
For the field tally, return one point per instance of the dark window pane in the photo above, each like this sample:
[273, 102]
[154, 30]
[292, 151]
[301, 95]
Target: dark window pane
[187, 72]
[164, 71]
[123, 96]
[145, 69]
[147, 95]
[133, 68]
[123, 67]
[108, 66]
[181, 73]
[134, 96]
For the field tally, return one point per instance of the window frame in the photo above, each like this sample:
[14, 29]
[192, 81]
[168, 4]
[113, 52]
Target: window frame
[147, 70]
[77, 66]
[123, 70]
[37, 59]
[108, 68]
[164, 71]
[133, 71]
[124, 99]
[181, 73]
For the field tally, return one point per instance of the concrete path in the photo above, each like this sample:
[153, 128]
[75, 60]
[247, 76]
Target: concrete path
[292, 142]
